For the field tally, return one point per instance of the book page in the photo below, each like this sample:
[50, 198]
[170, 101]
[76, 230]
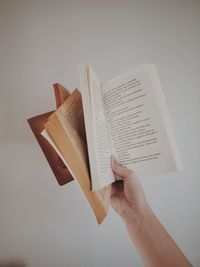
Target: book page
[87, 109]
[140, 139]
[165, 115]
[96, 129]
[70, 115]
[66, 130]
[45, 134]
[101, 134]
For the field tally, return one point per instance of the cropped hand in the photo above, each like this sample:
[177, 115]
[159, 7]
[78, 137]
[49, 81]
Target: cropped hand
[127, 195]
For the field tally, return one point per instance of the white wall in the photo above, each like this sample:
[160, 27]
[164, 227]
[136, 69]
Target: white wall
[41, 42]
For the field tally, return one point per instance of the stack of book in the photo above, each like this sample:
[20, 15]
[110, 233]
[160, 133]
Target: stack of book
[125, 117]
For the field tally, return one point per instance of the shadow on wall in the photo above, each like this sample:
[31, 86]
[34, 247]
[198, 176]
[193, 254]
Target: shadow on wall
[13, 264]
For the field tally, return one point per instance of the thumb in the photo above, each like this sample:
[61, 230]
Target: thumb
[120, 170]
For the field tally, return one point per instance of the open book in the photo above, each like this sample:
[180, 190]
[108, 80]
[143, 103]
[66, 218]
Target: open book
[125, 117]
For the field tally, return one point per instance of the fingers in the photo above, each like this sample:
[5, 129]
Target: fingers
[120, 170]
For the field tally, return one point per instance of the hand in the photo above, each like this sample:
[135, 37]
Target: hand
[152, 241]
[127, 197]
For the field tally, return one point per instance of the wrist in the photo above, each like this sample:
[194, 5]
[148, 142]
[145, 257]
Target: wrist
[136, 216]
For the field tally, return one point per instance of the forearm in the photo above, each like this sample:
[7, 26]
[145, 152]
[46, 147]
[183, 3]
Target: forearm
[152, 241]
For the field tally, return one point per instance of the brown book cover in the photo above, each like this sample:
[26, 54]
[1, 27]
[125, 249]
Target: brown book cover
[37, 123]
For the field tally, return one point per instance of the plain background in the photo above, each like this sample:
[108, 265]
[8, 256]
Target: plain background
[42, 42]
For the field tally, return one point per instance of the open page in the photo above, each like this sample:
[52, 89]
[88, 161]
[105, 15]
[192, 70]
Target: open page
[140, 136]
[96, 127]
[66, 130]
